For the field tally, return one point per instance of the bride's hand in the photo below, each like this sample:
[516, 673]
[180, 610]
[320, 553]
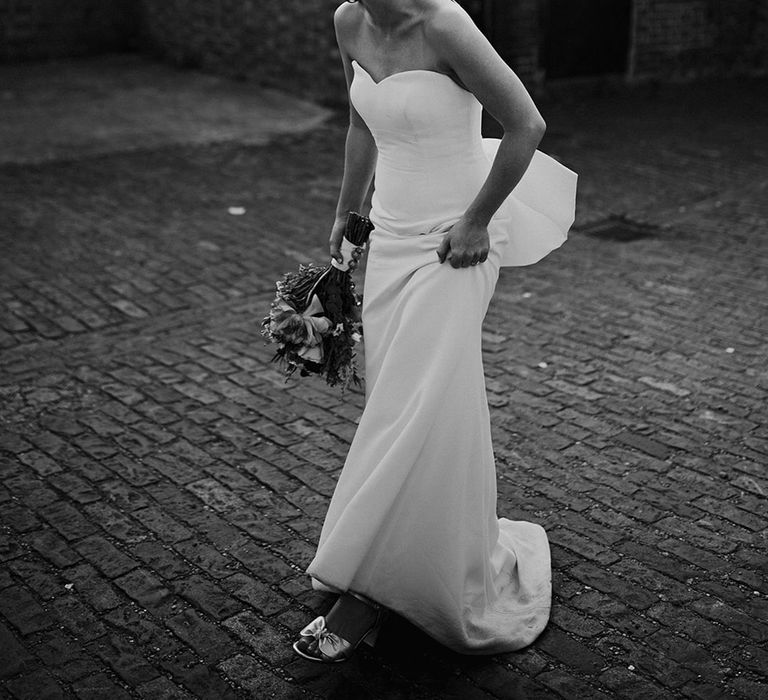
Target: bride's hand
[337, 234]
[465, 244]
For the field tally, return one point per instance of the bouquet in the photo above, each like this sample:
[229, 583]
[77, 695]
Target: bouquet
[315, 317]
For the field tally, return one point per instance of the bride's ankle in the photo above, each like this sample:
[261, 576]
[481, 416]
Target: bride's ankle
[350, 617]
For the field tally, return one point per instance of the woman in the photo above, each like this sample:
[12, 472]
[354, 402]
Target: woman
[412, 525]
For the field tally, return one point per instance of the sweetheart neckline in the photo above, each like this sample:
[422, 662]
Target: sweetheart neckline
[405, 72]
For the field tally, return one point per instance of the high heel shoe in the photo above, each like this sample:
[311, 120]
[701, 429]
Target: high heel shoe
[318, 643]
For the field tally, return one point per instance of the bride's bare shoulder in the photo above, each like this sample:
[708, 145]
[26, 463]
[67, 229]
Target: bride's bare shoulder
[444, 17]
[347, 19]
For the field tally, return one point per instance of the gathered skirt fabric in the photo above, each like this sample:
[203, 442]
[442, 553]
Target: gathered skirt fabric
[412, 523]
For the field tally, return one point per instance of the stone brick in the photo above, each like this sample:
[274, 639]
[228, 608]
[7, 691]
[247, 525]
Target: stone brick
[65, 656]
[218, 529]
[295, 551]
[260, 561]
[659, 561]
[203, 636]
[688, 655]
[123, 658]
[94, 589]
[624, 590]
[16, 658]
[77, 618]
[747, 625]
[172, 469]
[646, 660]
[105, 556]
[567, 685]
[162, 689]
[37, 685]
[256, 594]
[258, 526]
[146, 590]
[214, 563]
[53, 548]
[733, 513]
[248, 674]
[161, 559]
[119, 494]
[582, 546]
[94, 445]
[40, 462]
[651, 580]
[116, 524]
[570, 651]
[67, 520]
[162, 524]
[98, 687]
[696, 535]
[695, 555]
[23, 611]
[74, 487]
[680, 618]
[265, 640]
[38, 576]
[748, 688]
[625, 683]
[14, 442]
[130, 468]
[215, 495]
[207, 596]
[570, 621]
[10, 547]
[500, 682]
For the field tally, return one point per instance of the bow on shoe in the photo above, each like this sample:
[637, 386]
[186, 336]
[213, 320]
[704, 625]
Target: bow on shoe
[330, 645]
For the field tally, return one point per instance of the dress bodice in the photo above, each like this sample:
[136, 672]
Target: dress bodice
[432, 162]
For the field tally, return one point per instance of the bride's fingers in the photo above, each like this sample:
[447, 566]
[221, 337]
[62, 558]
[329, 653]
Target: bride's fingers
[334, 247]
[443, 249]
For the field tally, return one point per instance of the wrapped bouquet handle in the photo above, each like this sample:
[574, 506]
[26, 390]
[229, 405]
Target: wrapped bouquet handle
[326, 294]
[356, 234]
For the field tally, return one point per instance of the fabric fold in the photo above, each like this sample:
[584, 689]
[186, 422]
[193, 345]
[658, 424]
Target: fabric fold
[539, 212]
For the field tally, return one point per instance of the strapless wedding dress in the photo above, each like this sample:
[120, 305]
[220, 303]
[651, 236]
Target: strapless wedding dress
[412, 523]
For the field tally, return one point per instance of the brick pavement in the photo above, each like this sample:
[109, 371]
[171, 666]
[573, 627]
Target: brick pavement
[163, 488]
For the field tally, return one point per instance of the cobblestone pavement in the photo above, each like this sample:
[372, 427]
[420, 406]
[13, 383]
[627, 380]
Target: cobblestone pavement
[163, 488]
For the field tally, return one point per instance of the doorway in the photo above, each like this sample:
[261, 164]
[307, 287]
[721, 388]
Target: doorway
[584, 37]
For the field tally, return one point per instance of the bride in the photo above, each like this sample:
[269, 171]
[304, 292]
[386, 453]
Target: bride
[412, 525]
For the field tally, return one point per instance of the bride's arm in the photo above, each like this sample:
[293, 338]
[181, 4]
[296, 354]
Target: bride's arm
[467, 53]
[360, 150]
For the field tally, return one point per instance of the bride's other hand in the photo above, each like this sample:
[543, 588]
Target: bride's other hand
[465, 244]
[337, 234]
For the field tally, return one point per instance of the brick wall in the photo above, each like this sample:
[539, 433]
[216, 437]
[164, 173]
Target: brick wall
[696, 38]
[288, 44]
[291, 43]
[513, 27]
[31, 29]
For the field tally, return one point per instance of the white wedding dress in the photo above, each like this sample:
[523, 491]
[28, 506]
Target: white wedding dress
[412, 523]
